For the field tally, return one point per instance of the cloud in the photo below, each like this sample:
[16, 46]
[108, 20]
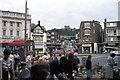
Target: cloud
[57, 13]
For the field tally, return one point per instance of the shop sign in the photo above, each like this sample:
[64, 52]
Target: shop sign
[86, 45]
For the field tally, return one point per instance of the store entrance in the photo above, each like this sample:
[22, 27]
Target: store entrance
[86, 50]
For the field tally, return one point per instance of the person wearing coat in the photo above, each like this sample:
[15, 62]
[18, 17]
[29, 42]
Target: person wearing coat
[109, 67]
[89, 67]
[7, 66]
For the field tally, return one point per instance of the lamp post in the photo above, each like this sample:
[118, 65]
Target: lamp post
[25, 28]
[25, 19]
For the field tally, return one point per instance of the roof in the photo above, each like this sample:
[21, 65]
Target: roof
[38, 25]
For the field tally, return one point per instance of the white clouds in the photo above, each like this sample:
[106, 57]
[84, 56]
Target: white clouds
[57, 13]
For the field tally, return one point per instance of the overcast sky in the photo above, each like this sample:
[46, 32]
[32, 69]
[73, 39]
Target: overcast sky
[58, 13]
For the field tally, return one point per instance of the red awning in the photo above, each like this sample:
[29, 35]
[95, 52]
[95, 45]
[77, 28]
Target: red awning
[69, 52]
[57, 52]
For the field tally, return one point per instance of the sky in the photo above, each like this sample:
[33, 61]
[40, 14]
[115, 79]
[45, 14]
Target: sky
[58, 13]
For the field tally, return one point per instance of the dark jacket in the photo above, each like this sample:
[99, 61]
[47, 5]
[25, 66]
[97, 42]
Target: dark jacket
[88, 64]
[54, 67]
[58, 66]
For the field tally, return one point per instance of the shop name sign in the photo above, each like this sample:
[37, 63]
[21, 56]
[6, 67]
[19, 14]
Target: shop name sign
[85, 45]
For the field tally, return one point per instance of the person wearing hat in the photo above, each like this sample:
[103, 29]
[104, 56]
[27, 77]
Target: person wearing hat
[109, 67]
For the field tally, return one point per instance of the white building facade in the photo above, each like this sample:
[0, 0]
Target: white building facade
[112, 35]
[12, 25]
[40, 38]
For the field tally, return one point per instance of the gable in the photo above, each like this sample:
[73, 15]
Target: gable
[38, 30]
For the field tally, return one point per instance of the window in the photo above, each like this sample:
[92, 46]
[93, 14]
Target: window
[4, 32]
[52, 33]
[114, 32]
[108, 39]
[93, 24]
[4, 23]
[11, 23]
[37, 31]
[113, 24]
[111, 39]
[111, 32]
[52, 37]
[38, 38]
[17, 33]
[12, 14]
[11, 32]
[18, 24]
[87, 32]
[86, 25]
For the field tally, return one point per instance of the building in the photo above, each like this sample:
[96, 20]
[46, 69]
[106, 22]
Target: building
[12, 25]
[90, 36]
[64, 38]
[112, 35]
[53, 40]
[39, 36]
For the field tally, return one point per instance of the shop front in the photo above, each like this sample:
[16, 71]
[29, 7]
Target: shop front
[87, 48]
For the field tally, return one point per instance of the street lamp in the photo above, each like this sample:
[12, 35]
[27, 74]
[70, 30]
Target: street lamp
[25, 28]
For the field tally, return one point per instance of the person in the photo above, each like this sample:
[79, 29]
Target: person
[29, 61]
[51, 58]
[109, 67]
[58, 68]
[77, 61]
[21, 54]
[71, 65]
[16, 60]
[24, 72]
[63, 68]
[54, 68]
[7, 66]
[12, 56]
[89, 67]
[39, 71]
[45, 57]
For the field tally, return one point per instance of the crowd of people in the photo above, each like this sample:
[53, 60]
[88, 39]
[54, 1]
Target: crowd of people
[48, 67]
[38, 68]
